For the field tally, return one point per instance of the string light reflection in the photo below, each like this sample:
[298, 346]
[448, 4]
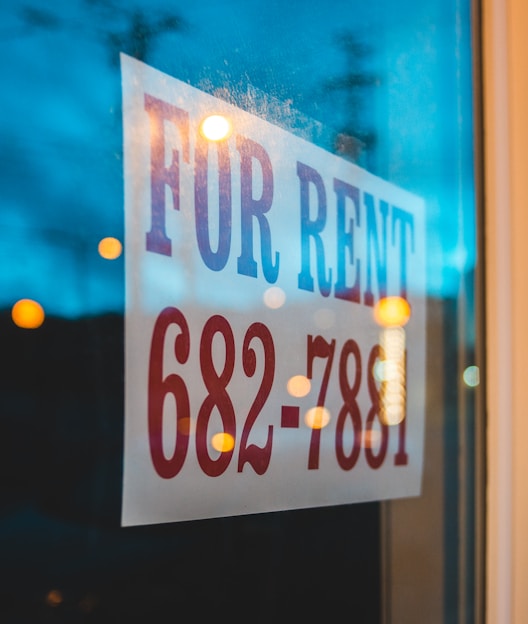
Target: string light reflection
[392, 313]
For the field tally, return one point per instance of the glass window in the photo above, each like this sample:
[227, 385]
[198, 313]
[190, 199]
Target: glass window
[382, 89]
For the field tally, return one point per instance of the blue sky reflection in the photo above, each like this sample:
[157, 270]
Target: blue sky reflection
[61, 186]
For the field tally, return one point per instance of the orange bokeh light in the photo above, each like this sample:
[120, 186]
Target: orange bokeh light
[27, 314]
[317, 417]
[392, 312]
[110, 248]
[371, 438]
[216, 128]
[223, 442]
[185, 426]
[298, 386]
[54, 598]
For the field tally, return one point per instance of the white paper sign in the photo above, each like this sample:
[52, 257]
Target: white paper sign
[255, 380]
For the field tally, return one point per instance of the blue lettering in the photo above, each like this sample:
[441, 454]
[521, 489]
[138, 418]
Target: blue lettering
[160, 175]
[312, 229]
[375, 248]
[215, 260]
[345, 240]
[251, 207]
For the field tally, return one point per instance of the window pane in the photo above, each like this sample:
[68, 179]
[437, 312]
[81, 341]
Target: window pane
[385, 86]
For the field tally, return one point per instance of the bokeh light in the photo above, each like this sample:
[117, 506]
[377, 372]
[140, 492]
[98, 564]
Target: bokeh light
[393, 412]
[274, 297]
[391, 372]
[216, 128]
[392, 340]
[471, 376]
[392, 312]
[371, 438]
[186, 426]
[317, 417]
[380, 371]
[223, 442]
[54, 598]
[27, 314]
[110, 248]
[298, 386]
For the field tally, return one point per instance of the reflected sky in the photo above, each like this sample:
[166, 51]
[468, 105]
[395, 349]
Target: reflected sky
[386, 73]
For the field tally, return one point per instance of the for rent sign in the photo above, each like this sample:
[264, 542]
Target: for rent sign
[256, 376]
